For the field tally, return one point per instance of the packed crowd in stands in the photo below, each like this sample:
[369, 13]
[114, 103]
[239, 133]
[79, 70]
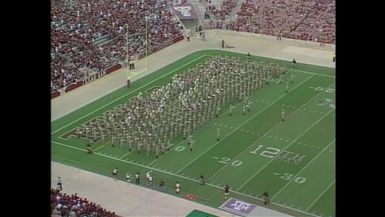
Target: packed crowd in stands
[225, 9]
[178, 2]
[312, 20]
[63, 204]
[93, 34]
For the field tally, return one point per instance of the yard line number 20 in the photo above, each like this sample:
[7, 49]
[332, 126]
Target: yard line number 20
[222, 160]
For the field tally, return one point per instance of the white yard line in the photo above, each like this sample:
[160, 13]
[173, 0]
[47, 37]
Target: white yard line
[125, 155]
[100, 147]
[212, 176]
[313, 73]
[163, 154]
[327, 188]
[117, 99]
[235, 129]
[287, 146]
[310, 162]
[183, 177]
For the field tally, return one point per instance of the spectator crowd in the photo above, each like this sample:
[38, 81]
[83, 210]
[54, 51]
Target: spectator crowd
[312, 20]
[96, 35]
[225, 9]
[63, 204]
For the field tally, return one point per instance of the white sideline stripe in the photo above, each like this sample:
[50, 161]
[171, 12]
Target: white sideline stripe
[231, 132]
[316, 95]
[303, 168]
[327, 188]
[126, 161]
[119, 98]
[272, 159]
[173, 174]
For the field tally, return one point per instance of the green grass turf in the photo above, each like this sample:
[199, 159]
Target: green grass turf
[198, 213]
[246, 157]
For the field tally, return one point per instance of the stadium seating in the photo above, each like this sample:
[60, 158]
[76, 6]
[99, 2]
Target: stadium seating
[89, 38]
[63, 204]
[93, 35]
[225, 9]
[304, 20]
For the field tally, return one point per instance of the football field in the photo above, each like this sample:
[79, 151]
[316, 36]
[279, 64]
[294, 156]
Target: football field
[294, 160]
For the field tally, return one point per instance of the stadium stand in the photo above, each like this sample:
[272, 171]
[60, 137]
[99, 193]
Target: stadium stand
[92, 38]
[225, 9]
[89, 37]
[63, 204]
[304, 20]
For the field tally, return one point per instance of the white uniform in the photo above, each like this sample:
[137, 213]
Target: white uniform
[128, 177]
[115, 173]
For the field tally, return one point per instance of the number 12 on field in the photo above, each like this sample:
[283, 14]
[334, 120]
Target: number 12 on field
[270, 152]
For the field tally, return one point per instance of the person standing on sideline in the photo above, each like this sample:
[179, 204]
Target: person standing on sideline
[266, 197]
[202, 178]
[137, 178]
[89, 149]
[177, 187]
[59, 184]
[227, 191]
[115, 173]
[162, 185]
[150, 181]
[148, 174]
[128, 177]
[223, 43]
